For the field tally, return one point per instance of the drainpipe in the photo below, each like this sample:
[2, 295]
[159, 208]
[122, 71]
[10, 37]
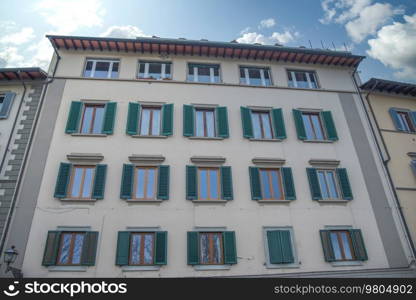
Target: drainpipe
[385, 162]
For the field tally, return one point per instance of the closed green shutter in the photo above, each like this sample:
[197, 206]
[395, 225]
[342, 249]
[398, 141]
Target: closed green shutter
[167, 119]
[255, 183]
[193, 248]
[188, 120]
[300, 127]
[163, 183]
[222, 122]
[109, 117]
[287, 251]
[396, 121]
[327, 245]
[62, 180]
[127, 181]
[51, 248]
[161, 248]
[288, 185]
[278, 124]
[7, 105]
[89, 248]
[226, 183]
[123, 248]
[344, 184]
[191, 183]
[358, 244]
[314, 184]
[280, 247]
[246, 122]
[331, 131]
[99, 182]
[133, 118]
[74, 117]
[230, 250]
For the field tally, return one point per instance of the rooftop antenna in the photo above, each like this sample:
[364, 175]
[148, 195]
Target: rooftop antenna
[322, 44]
[333, 45]
[310, 44]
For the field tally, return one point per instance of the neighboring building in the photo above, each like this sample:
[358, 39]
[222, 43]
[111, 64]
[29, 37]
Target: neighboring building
[173, 158]
[392, 109]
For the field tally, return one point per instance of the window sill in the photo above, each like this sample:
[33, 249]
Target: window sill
[205, 138]
[264, 140]
[90, 134]
[78, 200]
[274, 201]
[67, 269]
[137, 136]
[318, 141]
[282, 266]
[210, 201]
[211, 267]
[149, 201]
[139, 268]
[333, 201]
[346, 263]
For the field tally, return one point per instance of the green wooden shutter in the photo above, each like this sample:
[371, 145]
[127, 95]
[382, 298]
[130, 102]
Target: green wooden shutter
[161, 248]
[123, 248]
[327, 245]
[255, 183]
[331, 131]
[51, 248]
[280, 247]
[300, 127]
[163, 183]
[188, 120]
[222, 122]
[226, 184]
[344, 184]
[278, 124]
[288, 185]
[74, 117]
[62, 180]
[193, 248]
[314, 184]
[99, 182]
[133, 118]
[127, 181]
[167, 119]
[191, 183]
[7, 105]
[109, 117]
[396, 121]
[358, 244]
[413, 115]
[287, 251]
[246, 122]
[89, 248]
[230, 251]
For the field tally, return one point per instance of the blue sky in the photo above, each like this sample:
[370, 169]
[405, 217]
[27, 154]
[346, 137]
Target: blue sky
[384, 31]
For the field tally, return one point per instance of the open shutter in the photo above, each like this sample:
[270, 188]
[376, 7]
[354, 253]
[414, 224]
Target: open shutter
[109, 117]
[314, 184]
[278, 124]
[7, 105]
[74, 117]
[222, 122]
[123, 247]
[288, 185]
[191, 183]
[89, 248]
[161, 248]
[193, 248]
[133, 118]
[327, 245]
[99, 182]
[246, 122]
[127, 181]
[413, 115]
[188, 120]
[300, 127]
[413, 166]
[396, 121]
[167, 119]
[163, 183]
[255, 183]
[51, 248]
[344, 184]
[230, 251]
[226, 183]
[62, 180]
[280, 247]
[331, 131]
[358, 244]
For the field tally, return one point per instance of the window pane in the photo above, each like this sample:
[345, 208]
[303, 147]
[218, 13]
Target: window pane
[346, 244]
[101, 69]
[308, 127]
[301, 80]
[204, 246]
[312, 78]
[148, 249]
[86, 192]
[86, 122]
[167, 71]
[204, 74]
[403, 120]
[135, 249]
[151, 178]
[254, 75]
[291, 82]
[88, 69]
[210, 123]
[323, 185]
[217, 255]
[76, 182]
[213, 184]
[265, 118]
[65, 247]
[242, 76]
[265, 183]
[77, 252]
[155, 70]
[140, 183]
[145, 122]
[98, 119]
[156, 122]
[255, 119]
[317, 126]
[203, 183]
[336, 246]
[333, 193]
[200, 123]
[276, 185]
[114, 72]
[141, 69]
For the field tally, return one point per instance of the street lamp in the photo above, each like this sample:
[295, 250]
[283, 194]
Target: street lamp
[9, 257]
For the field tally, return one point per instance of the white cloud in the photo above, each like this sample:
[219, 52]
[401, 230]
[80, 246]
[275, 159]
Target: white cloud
[251, 38]
[395, 46]
[127, 31]
[276, 37]
[284, 37]
[340, 11]
[267, 23]
[17, 38]
[10, 57]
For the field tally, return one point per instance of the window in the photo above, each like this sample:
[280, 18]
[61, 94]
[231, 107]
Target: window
[211, 248]
[209, 183]
[101, 68]
[328, 184]
[150, 121]
[142, 246]
[204, 73]
[92, 119]
[145, 183]
[255, 76]
[81, 182]
[302, 79]
[70, 248]
[154, 70]
[313, 126]
[271, 184]
[1, 101]
[342, 245]
[205, 122]
[262, 126]
[279, 246]
[405, 121]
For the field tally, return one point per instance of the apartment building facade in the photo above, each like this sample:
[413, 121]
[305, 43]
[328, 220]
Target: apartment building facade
[180, 158]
